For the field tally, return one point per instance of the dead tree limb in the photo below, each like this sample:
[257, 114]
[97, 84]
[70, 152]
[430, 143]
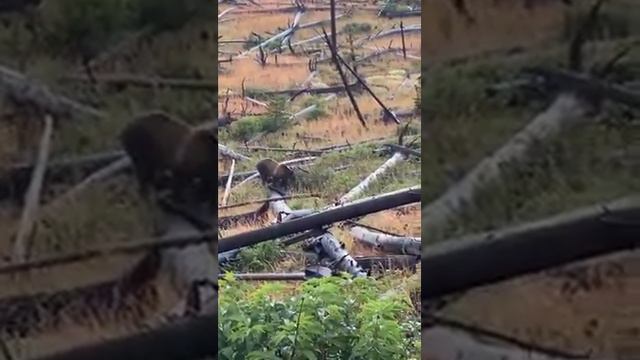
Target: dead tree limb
[388, 243]
[274, 149]
[21, 247]
[592, 88]
[397, 158]
[23, 90]
[227, 189]
[145, 81]
[227, 152]
[566, 111]
[578, 41]
[128, 247]
[100, 175]
[344, 212]
[478, 260]
[188, 339]
[333, 47]
[454, 343]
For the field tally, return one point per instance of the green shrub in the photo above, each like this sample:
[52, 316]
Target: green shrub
[328, 318]
[357, 28]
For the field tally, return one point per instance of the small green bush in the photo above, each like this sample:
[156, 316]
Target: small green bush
[329, 318]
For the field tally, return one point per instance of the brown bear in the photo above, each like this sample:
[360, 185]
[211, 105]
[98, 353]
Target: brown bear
[167, 152]
[274, 174]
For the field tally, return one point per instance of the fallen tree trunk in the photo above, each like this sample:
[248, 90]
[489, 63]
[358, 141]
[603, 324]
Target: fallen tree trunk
[449, 343]
[397, 158]
[23, 90]
[583, 84]
[227, 152]
[145, 81]
[388, 243]
[310, 91]
[566, 111]
[189, 339]
[478, 260]
[328, 249]
[344, 212]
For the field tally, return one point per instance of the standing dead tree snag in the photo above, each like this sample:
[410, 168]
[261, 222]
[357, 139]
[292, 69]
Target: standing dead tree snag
[32, 198]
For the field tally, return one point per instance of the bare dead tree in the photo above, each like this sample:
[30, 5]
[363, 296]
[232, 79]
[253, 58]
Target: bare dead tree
[312, 64]
[578, 41]
[404, 47]
[262, 57]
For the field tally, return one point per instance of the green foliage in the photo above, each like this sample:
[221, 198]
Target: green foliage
[319, 111]
[84, 27]
[329, 318]
[274, 120]
[259, 257]
[357, 28]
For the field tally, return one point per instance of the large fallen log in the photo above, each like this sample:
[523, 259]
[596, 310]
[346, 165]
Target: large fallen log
[584, 84]
[388, 243]
[310, 91]
[397, 158]
[23, 90]
[189, 339]
[567, 110]
[227, 152]
[477, 260]
[317, 220]
[328, 250]
[449, 343]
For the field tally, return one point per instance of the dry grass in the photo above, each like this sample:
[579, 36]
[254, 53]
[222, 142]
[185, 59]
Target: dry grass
[447, 35]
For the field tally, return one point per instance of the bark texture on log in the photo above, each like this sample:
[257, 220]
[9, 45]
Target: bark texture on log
[388, 243]
[477, 260]
[567, 110]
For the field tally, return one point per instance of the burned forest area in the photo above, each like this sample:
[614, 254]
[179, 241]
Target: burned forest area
[350, 139]
[84, 259]
[531, 145]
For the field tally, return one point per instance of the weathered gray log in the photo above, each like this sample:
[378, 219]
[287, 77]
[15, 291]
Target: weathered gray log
[311, 91]
[442, 343]
[225, 151]
[26, 91]
[227, 189]
[145, 81]
[328, 249]
[260, 201]
[189, 339]
[567, 110]
[22, 244]
[364, 184]
[477, 260]
[339, 213]
[388, 243]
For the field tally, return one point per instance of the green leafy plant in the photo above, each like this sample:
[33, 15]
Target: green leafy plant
[327, 318]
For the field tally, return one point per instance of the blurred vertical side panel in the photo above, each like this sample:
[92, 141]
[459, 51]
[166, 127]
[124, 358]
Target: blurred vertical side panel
[530, 206]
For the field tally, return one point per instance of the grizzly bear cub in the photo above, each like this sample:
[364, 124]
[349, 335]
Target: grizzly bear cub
[274, 174]
[167, 152]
